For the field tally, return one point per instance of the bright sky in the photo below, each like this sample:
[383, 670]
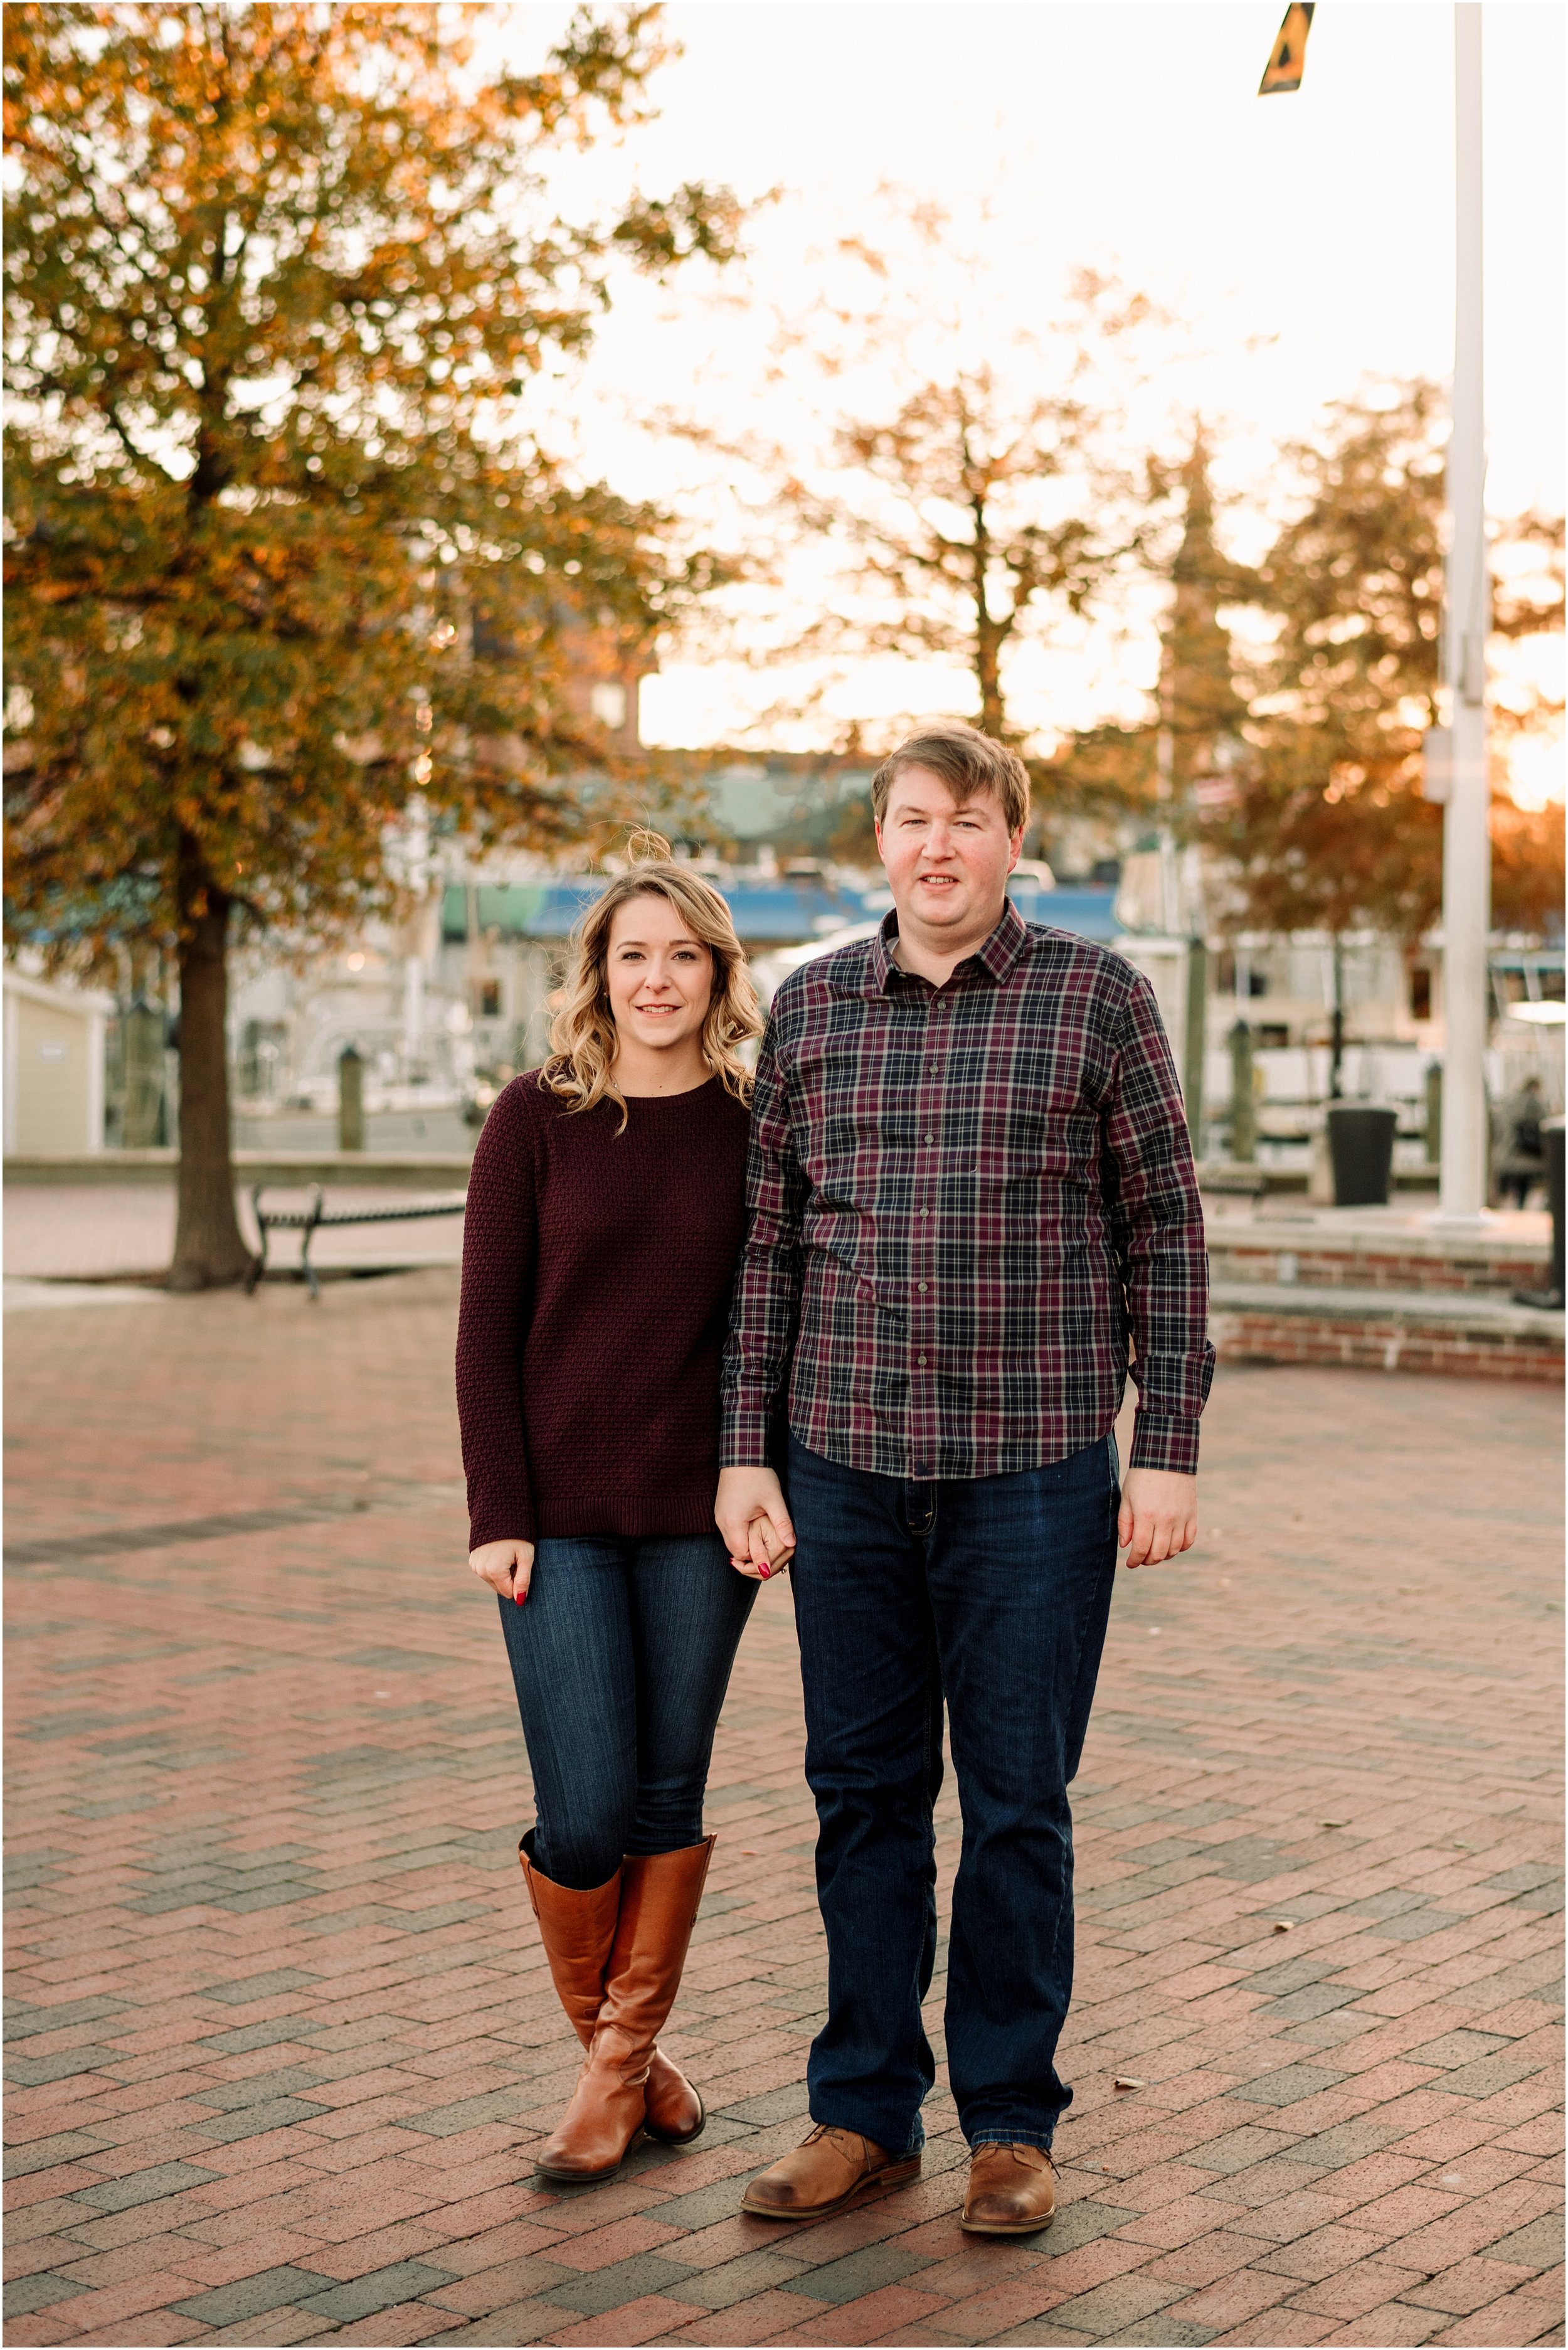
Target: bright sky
[1306, 241]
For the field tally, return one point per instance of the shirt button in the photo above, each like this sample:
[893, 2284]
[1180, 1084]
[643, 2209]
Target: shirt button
[925, 1212]
[921, 1361]
[922, 1286]
[930, 1137]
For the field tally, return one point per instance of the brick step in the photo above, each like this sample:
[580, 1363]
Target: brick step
[1380, 1248]
[1468, 1333]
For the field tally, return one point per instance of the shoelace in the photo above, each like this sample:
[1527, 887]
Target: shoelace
[844, 2142]
[1010, 2150]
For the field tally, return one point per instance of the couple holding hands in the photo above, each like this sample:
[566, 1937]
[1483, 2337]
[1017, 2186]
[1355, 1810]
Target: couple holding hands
[869, 1312]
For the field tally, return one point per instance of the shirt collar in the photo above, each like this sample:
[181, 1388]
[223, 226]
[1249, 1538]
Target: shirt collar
[995, 959]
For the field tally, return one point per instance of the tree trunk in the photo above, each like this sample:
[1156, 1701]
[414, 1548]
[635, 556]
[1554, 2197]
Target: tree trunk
[988, 674]
[989, 635]
[208, 1250]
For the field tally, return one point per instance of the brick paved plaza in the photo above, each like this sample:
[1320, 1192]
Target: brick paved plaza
[281, 2034]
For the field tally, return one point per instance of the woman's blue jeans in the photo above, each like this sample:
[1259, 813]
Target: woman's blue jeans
[993, 1592]
[621, 1655]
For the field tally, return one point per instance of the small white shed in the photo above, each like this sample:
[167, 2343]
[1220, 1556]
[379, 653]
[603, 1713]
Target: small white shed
[54, 1067]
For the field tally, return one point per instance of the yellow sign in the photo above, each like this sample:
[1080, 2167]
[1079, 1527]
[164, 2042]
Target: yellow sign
[1288, 57]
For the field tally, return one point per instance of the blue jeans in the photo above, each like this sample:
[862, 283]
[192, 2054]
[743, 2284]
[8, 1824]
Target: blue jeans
[995, 1592]
[621, 1655]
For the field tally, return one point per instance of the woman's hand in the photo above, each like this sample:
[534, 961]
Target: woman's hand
[752, 1515]
[506, 1566]
[769, 1555]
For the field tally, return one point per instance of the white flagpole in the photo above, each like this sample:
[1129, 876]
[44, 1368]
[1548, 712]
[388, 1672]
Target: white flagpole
[1467, 842]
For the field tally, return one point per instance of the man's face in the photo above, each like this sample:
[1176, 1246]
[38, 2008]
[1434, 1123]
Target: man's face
[947, 860]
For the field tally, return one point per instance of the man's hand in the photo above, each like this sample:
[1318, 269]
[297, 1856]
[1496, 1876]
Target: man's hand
[1158, 1516]
[506, 1566]
[749, 1513]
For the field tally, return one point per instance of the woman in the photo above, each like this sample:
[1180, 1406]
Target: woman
[605, 1213]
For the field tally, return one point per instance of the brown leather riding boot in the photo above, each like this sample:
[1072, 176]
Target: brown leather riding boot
[610, 2106]
[676, 2113]
[578, 1930]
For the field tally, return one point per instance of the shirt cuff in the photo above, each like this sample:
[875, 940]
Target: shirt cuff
[744, 1438]
[1161, 1441]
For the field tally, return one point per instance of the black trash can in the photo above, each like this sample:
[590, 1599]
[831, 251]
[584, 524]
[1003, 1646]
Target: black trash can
[1361, 1150]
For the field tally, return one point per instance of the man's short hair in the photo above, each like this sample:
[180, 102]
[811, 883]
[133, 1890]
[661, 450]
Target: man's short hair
[968, 762]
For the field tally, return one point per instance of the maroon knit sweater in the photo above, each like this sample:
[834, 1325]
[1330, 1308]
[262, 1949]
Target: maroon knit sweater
[596, 1268]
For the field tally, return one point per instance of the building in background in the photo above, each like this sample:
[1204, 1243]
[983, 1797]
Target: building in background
[55, 1054]
[492, 944]
[445, 1006]
[1394, 1032]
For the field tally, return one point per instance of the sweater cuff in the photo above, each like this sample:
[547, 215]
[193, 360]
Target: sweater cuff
[1162, 1440]
[502, 1521]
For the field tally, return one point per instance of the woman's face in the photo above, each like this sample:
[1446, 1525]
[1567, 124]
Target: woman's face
[660, 978]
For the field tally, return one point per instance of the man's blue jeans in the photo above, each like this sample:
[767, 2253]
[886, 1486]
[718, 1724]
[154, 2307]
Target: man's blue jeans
[993, 1592]
[621, 1655]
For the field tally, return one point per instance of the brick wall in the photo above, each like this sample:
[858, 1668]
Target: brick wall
[1353, 1269]
[1254, 1337]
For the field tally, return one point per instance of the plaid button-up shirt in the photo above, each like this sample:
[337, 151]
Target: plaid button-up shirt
[962, 1201]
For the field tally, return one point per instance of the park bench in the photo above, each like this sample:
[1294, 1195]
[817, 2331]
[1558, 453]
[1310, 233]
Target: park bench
[319, 1217]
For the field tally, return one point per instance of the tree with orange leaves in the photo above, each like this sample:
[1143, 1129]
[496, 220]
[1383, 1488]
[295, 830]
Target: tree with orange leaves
[283, 565]
[1328, 829]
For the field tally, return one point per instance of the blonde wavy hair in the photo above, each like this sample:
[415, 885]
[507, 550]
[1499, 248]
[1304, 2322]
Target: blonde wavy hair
[581, 1067]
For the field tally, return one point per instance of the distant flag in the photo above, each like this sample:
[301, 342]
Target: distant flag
[1288, 56]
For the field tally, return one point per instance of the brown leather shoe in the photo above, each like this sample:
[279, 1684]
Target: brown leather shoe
[826, 2171]
[578, 1933]
[1012, 2192]
[608, 2110]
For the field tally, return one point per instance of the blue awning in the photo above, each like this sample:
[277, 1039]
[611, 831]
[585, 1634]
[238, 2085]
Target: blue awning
[768, 913]
[1086, 914]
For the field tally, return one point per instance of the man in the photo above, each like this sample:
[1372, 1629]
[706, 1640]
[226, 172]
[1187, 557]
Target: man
[1521, 1161]
[969, 1181]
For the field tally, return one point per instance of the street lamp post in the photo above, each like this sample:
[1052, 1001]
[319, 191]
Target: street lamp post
[1467, 842]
